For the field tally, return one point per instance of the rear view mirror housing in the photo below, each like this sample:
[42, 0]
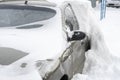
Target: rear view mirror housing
[76, 36]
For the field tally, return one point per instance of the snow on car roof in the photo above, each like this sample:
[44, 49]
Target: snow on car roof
[30, 2]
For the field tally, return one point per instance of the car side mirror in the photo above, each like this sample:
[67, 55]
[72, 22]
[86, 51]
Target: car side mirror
[76, 36]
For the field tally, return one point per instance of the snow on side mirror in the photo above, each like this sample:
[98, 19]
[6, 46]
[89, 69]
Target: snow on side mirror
[76, 36]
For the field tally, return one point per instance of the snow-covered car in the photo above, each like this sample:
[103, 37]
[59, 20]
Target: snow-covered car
[40, 41]
[113, 3]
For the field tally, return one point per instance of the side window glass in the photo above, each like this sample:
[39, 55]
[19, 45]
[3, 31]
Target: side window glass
[70, 19]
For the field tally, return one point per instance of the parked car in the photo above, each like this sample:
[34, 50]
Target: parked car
[113, 3]
[38, 36]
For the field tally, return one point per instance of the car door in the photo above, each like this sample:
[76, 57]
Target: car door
[77, 47]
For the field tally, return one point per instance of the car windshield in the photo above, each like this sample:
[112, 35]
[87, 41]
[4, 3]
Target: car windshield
[14, 15]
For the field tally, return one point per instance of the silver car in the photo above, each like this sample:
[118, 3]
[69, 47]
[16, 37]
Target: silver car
[113, 3]
[40, 41]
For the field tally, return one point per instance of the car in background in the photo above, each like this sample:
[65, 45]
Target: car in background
[113, 3]
[37, 36]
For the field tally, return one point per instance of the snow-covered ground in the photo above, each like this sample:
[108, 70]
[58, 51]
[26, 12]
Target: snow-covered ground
[103, 60]
[111, 30]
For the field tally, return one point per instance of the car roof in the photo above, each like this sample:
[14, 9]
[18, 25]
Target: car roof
[29, 2]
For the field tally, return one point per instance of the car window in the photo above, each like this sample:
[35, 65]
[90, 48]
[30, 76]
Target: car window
[13, 15]
[9, 55]
[70, 19]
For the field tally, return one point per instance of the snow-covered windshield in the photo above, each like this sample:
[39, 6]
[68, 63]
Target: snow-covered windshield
[13, 15]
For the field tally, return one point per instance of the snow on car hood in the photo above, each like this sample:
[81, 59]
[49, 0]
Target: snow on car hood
[41, 43]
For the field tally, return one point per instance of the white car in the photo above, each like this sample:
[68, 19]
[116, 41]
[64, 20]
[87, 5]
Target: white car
[40, 41]
[113, 3]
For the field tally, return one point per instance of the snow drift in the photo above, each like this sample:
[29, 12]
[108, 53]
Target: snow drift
[99, 64]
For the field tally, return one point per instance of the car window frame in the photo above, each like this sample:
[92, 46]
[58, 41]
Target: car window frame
[75, 25]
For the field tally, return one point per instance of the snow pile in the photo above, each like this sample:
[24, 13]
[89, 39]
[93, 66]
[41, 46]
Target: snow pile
[99, 64]
[59, 2]
[111, 29]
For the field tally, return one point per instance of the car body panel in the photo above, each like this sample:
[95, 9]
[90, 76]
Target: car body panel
[50, 52]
